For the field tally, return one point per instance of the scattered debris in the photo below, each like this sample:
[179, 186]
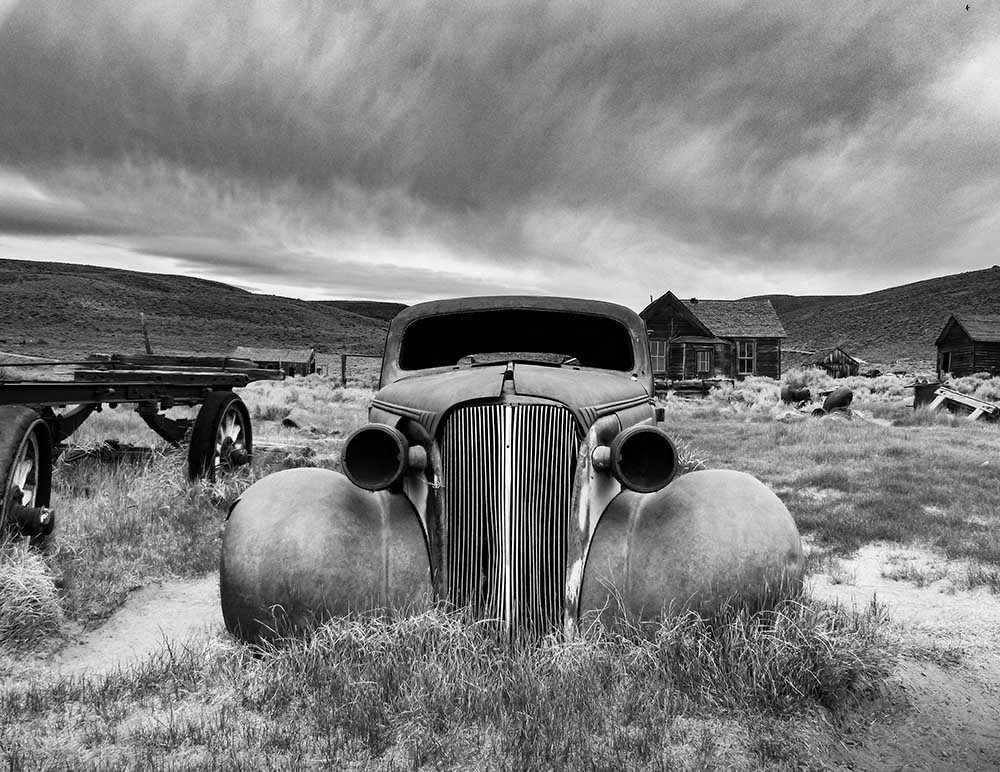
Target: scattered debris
[838, 399]
[837, 402]
[956, 401]
[791, 395]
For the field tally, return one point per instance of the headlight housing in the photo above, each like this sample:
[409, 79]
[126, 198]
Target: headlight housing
[375, 456]
[642, 458]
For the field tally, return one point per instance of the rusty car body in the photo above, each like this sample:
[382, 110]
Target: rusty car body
[514, 465]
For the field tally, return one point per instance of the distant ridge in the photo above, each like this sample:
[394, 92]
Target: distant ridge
[894, 327]
[370, 308]
[62, 310]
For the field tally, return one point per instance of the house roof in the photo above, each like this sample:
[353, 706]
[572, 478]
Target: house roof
[700, 339]
[980, 328]
[737, 318]
[274, 354]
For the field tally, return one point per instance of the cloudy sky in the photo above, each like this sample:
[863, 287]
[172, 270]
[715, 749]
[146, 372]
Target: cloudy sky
[403, 150]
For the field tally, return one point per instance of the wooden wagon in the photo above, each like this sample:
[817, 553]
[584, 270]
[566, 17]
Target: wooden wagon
[37, 416]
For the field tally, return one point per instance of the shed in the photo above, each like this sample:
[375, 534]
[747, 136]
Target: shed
[837, 362]
[969, 344]
[713, 338]
[293, 361]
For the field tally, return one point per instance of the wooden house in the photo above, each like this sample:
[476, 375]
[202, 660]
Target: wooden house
[293, 361]
[969, 344]
[837, 362]
[690, 339]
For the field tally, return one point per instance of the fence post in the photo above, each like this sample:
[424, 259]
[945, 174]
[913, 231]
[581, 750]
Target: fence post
[145, 332]
[343, 371]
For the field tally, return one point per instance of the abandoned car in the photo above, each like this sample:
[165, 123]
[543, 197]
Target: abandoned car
[515, 466]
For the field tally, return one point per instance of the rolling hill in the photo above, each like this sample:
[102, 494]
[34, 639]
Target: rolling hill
[894, 327]
[58, 310]
[372, 308]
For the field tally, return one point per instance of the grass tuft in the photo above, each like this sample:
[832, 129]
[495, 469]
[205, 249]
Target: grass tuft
[29, 605]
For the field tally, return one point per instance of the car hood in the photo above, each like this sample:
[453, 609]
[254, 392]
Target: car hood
[589, 394]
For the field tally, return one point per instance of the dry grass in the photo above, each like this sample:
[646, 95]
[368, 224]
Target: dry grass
[315, 402]
[917, 478]
[431, 691]
[125, 523]
[30, 610]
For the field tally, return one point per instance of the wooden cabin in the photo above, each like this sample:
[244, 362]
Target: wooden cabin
[293, 361]
[969, 344]
[837, 362]
[691, 339]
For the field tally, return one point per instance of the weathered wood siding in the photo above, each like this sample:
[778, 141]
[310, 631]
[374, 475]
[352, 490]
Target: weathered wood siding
[725, 362]
[769, 357]
[961, 348]
[675, 358]
[683, 362]
[663, 327]
[840, 364]
[986, 358]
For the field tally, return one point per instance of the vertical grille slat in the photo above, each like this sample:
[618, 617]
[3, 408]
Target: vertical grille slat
[508, 487]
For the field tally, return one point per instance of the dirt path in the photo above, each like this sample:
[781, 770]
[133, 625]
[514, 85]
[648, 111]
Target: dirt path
[173, 612]
[942, 710]
[944, 707]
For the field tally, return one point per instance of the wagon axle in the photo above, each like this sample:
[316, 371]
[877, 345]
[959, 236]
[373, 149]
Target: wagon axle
[31, 521]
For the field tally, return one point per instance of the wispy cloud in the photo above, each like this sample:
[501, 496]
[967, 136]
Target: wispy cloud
[598, 148]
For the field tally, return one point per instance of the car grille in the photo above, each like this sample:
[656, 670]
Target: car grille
[508, 476]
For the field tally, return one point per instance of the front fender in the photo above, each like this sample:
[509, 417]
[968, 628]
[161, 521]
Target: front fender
[302, 545]
[707, 539]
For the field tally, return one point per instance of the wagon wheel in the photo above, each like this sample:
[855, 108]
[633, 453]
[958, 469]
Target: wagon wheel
[222, 438]
[25, 473]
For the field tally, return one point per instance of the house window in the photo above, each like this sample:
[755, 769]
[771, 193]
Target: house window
[704, 361]
[658, 353]
[746, 351]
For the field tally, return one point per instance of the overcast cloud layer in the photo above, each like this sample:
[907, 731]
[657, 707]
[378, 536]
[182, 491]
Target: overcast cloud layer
[404, 150]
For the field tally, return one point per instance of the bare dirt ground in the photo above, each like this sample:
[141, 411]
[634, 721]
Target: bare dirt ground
[940, 712]
[158, 615]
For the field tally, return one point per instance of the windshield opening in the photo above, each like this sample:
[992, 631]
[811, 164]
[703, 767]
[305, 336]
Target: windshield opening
[552, 337]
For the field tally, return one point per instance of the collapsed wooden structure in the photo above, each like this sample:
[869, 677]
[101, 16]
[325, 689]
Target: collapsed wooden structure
[956, 401]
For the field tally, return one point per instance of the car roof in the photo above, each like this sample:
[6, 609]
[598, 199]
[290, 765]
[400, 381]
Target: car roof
[497, 302]
[626, 316]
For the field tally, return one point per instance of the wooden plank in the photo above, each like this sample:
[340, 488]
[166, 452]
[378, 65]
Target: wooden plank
[159, 362]
[164, 375]
[41, 393]
[147, 377]
[965, 399]
[979, 407]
